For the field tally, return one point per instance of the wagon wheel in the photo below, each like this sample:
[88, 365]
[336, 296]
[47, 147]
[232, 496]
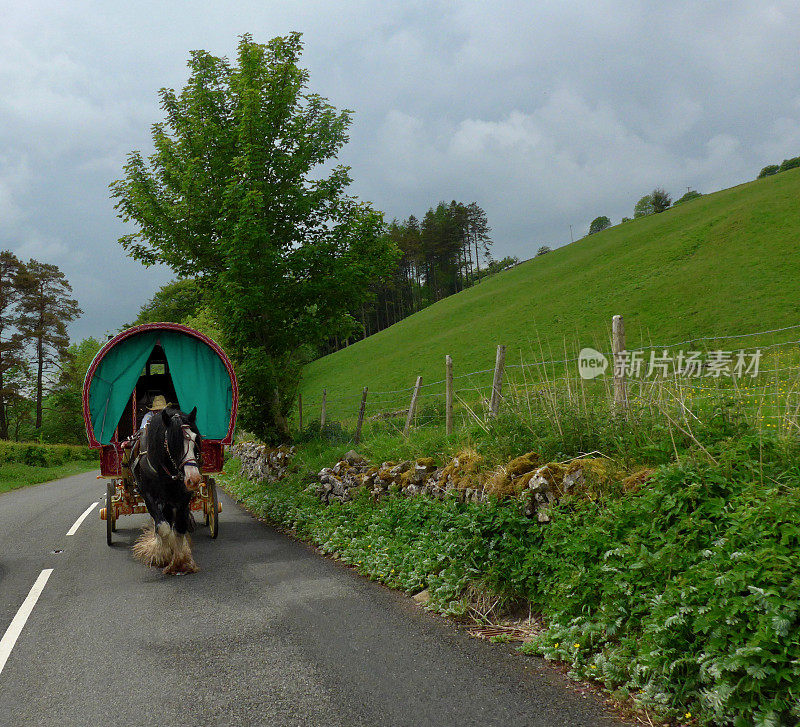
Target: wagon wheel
[212, 508]
[111, 522]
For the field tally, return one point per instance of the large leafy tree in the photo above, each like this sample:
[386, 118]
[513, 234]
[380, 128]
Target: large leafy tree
[47, 309]
[241, 193]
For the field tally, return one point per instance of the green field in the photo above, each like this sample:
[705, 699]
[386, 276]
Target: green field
[723, 264]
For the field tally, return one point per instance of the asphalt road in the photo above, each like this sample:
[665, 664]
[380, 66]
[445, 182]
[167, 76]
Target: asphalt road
[268, 632]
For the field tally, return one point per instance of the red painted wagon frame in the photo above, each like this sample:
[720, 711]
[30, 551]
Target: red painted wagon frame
[111, 454]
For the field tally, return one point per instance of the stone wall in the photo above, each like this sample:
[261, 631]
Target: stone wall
[536, 484]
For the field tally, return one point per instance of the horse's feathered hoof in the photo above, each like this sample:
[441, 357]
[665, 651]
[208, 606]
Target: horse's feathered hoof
[182, 561]
[181, 569]
[151, 549]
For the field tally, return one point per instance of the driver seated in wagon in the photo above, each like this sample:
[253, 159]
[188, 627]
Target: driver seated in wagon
[129, 445]
[159, 403]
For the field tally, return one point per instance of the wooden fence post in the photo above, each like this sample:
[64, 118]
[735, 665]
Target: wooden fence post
[497, 383]
[324, 408]
[361, 414]
[618, 350]
[448, 394]
[300, 410]
[413, 406]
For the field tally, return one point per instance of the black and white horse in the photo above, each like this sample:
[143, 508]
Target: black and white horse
[166, 473]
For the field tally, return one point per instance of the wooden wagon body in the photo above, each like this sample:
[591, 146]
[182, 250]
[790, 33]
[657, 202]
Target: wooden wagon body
[190, 370]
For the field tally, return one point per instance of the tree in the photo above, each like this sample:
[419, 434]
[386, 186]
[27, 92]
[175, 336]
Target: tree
[792, 163]
[241, 193]
[660, 200]
[768, 171]
[691, 194]
[644, 207]
[46, 309]
[63, 407]
[599, 224]
[12, 357]
[543, 250]
[479, 232]
[19, 401]
[173, 302]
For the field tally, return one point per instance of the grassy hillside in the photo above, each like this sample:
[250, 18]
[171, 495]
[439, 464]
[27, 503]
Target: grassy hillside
[723, 264]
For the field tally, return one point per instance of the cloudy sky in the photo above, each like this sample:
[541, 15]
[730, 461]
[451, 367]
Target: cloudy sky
[545, 113]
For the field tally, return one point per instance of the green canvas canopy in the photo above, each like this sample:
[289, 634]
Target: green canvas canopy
[198, 374]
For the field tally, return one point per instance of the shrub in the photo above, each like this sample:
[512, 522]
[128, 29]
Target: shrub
[691, 194]
[768, 171]
[332, 432]
[792, 163]
[43, 455]
[599, 224]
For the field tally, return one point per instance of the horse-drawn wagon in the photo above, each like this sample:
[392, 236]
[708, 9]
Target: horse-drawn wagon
[134, 368]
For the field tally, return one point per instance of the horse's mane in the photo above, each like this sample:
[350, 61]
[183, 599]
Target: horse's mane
[174, 437]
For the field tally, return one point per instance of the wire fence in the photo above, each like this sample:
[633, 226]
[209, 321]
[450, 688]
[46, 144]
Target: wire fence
[763, 376]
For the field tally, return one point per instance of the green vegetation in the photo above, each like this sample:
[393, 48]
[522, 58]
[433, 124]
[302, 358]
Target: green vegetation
[599, 224]
[63, 406]
[173, 302]
[439, 256]
[28, 463]
[785, 165]
[35, 309]
[243, 193]
[691, 194]
[680, 591]
[654, 203]
[724, 264]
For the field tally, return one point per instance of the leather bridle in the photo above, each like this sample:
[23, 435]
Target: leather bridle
[188, 459]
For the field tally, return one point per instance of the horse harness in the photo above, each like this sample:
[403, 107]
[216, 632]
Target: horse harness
[140, 455]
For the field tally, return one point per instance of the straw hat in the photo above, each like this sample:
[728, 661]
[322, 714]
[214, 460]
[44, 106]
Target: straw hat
[158, 404]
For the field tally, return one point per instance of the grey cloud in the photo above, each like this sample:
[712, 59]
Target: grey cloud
[546, 113]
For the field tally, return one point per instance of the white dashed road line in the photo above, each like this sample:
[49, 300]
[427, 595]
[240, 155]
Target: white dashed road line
[78, 522]
[15, 627]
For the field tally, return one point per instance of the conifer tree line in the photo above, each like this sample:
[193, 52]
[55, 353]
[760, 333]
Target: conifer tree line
[35, 309]
[448, 250]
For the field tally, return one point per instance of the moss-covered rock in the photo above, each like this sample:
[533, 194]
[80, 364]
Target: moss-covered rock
[638, 478]
[512, 479]
[524, 464]
[464, 470]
